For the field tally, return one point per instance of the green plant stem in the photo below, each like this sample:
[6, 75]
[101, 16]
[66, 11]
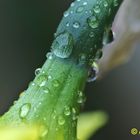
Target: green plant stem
[53, 99]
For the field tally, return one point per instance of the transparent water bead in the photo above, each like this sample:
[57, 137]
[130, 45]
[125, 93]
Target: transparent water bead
[67, 111]
[93, 22]
[80, 9]
[97, 9]
[93, 72]
[24, 110]
[85, 3]
[66, 14]
[72, 4]
[55, 83]
[76, 24]
[74, 114]
[61, 120]
[116, 3]
[82, 59]
[80, 99]
[37, 71]
[63, 45]
[43, 131]
[105, 4]
[49, 55]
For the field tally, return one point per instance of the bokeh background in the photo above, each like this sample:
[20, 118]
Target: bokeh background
[26, 34]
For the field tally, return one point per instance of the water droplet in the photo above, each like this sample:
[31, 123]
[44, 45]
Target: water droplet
[105, 4]
[91, 34]
[37, 71]
[42, 84]
[56, 83]
[41, 80]
[67, 24]
[93, 22]
[43, 131]
[76, 24]
[71, 12]
[66, 14]
[74, 114]
[82, 59]
[49, 77]
[46, 90]
[85, 3]
[97, 9]
[72, 4]
[49, 55]
[61, 120]
[78, 0]
[63, 45]
[93, 72]
[116, 3]
[31, 84]
[80, 99]
[67, 111]
[24, 110]
[79, 9]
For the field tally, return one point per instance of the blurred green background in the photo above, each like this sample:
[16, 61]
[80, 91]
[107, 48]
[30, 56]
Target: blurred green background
[26, 33]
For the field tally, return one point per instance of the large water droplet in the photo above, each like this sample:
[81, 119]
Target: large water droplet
[93, 22]
[67, 111]
[93, 72]
[76, 24]
[63, 45]
[61, 120]
[24, 110]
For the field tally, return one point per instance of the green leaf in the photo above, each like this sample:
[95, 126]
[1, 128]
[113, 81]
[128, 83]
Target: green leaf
[89, 123]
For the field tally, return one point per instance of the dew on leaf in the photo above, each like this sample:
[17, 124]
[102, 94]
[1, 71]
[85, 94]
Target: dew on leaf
[24, 110]
[61, 120]
[63, 45]
[93, 22]
[76, 24]
[37, 71]
[67, 111]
